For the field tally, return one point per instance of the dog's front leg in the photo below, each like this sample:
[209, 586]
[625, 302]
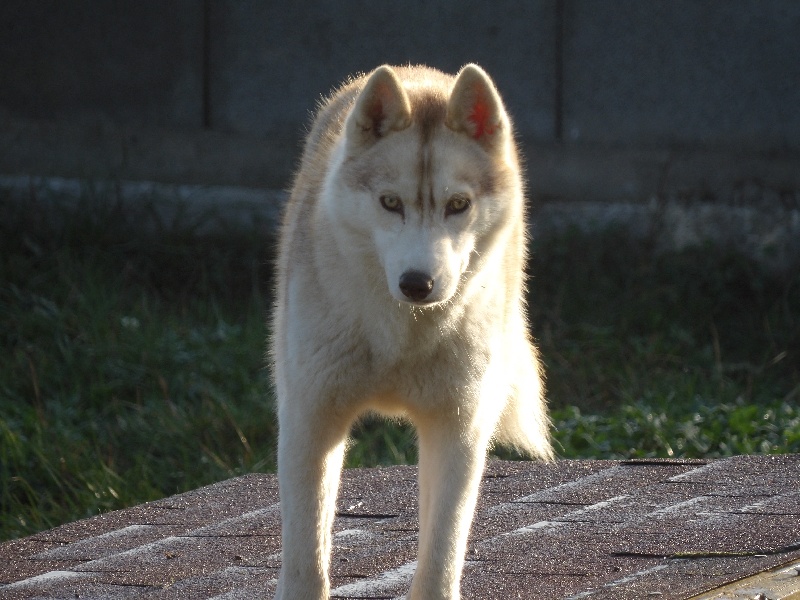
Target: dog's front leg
[311, 449]
[452, 454]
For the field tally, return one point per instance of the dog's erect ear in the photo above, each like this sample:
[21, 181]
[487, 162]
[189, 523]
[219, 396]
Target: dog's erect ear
[475, 108]
[381, 107]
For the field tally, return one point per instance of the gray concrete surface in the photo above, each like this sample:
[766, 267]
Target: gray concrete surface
[621, 530]
[759, 221]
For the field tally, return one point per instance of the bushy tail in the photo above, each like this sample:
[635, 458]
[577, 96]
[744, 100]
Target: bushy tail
[524, 424]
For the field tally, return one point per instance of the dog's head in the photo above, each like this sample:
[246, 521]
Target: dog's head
[426, 177]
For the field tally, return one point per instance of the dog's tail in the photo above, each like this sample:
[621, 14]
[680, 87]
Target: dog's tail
[524, 424]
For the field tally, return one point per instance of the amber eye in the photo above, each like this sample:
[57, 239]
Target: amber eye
[457, 204]
[392, 203]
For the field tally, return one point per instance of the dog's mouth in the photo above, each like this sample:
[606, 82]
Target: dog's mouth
[425, 304]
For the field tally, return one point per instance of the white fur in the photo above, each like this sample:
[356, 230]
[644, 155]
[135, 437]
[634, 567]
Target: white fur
[347, 339]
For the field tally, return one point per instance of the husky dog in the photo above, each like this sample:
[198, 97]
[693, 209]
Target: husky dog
[401, 291]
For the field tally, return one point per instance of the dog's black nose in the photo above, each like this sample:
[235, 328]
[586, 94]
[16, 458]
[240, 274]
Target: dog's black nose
[416, 285]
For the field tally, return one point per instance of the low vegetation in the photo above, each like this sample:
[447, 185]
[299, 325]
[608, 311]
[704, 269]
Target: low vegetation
[134, 361]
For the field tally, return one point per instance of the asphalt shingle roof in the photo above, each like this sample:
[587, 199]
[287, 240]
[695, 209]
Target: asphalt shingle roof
[664, 529]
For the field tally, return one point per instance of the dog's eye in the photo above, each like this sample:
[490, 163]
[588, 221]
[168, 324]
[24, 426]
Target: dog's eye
[392, 203]
[457, 204]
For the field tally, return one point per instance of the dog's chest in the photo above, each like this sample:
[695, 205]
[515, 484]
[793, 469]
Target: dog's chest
[423, 354]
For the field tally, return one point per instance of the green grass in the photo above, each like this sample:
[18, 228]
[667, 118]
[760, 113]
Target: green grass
[693, 353]
[133, 363]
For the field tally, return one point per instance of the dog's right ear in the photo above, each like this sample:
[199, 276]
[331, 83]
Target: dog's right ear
[381, 107]
[475, 108]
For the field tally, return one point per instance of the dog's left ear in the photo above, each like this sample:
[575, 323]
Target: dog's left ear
[475, 108]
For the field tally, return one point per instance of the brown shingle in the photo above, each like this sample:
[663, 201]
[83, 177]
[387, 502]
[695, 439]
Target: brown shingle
[573, 529]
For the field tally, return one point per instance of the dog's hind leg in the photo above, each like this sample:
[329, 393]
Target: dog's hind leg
[310, 454]
[452, 454]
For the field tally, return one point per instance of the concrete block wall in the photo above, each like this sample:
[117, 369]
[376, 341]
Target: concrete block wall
[613, 100]
[135, 63]
[682, 72]
[270, 74]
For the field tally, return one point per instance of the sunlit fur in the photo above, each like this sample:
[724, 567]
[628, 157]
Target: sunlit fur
[459, 364]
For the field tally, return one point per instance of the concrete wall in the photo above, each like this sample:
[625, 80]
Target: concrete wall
[269, 74]
[617, 99]
[138, 63]
[709, 72]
